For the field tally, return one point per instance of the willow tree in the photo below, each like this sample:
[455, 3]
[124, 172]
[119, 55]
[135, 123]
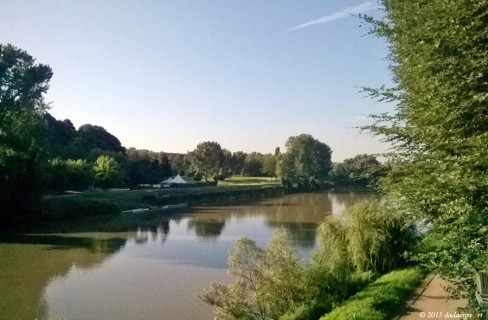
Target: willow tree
[438, 54]
[22, 132]
[266, 282]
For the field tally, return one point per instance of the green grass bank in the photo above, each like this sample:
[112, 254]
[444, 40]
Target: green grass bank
[105, 202]
[381, 299]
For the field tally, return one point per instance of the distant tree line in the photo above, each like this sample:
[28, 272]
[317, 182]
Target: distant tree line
[42, 155]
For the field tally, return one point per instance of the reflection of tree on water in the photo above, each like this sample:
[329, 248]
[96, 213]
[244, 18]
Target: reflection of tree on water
[302, 234]
[48, 256]
[345, 199]
[56, 242]
[153, 232]
[298, 208]
[207, 229]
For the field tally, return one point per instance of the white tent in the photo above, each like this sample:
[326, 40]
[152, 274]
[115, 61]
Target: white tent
[167, 181]
[178, 179]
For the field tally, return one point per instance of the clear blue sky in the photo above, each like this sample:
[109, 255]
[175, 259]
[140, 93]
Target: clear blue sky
[166, 75]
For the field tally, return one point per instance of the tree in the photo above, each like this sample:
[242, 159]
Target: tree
[107, 172]
[266, 282]
[226, 166]
[439, 127]
[90, 137]
[269, 165]
[253, 165]
[207, 158]
[61, 137]
[147, 167]
[22, 133]
[306, 159]
[362, 170]
[368, 235]
[237, 162]
[68, 175]
[180, 164]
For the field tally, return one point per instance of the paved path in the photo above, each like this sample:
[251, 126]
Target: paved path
[431, 301]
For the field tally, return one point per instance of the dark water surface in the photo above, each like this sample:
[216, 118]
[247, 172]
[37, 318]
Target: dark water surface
[149, 266]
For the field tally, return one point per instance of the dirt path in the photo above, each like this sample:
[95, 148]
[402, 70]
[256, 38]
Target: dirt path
[431, 302]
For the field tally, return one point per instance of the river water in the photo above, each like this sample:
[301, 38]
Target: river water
[147, 266]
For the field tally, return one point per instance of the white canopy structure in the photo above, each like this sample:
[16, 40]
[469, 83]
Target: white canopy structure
[178, 179]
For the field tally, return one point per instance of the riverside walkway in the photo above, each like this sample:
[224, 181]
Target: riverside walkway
[430, 301]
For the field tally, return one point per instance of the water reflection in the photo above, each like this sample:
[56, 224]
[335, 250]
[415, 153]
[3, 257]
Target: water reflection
[154, 232]
[205, 228]
[147, 265]
[59, 242]
[29, 262]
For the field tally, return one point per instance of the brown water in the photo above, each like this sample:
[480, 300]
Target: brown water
[145, 266]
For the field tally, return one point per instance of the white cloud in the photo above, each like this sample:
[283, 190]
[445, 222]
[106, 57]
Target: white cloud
[347, 12]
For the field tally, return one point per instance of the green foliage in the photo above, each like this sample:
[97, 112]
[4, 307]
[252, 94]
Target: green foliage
[147, 167]
[439, 127]
[306, 159]
[91, 137]
[362, 170]
[237, 162]
[61, 137]
[270, 162]
[107, 172]
[266, 282]
[180, 164]
[22, 133]
[367, 236]
[381, 299]
[69, 174]
[207, 158]
[197, 176]
[253, 165]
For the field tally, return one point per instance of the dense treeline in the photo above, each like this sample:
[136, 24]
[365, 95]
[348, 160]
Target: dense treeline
[362, 170]
[75, 155]
[42, 155]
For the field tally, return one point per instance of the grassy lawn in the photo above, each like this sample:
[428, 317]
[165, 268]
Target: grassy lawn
[241, 180]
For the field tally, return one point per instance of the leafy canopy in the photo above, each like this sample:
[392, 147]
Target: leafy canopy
[22, 132]
[266, 282]
[207, 158]
[439, 127]
[305, 159]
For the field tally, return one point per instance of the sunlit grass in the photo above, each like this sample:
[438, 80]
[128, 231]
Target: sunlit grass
[381, 299]
[241, 180]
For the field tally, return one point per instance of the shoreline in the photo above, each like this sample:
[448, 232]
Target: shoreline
[99, 203]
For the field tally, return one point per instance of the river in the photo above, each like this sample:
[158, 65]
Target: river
[149, 266]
